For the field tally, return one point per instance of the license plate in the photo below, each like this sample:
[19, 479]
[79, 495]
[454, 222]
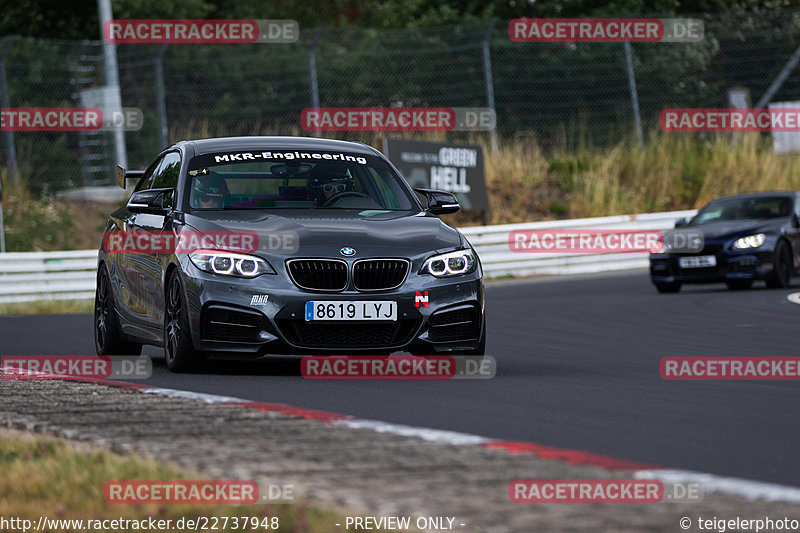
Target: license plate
[698, 261]
[341, 310]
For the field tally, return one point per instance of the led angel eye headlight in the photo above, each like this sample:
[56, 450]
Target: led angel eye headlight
[230, 264]
[450, 264]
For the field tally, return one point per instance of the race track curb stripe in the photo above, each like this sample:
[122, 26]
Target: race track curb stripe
[711, 483]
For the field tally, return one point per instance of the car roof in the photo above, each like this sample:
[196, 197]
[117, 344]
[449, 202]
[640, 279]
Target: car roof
[787, 194]
[225, 144]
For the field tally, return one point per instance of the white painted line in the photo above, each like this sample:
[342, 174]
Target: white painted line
[208, 398]
[749, 489]
[794, 297]
[753, 490]
[433, 435]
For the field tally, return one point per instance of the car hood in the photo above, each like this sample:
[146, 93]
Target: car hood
[325, 232]
[721, 231]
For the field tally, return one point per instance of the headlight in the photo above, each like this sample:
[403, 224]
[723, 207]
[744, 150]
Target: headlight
[230, 264]
[662, 247]
[450, 264]
[751, 241]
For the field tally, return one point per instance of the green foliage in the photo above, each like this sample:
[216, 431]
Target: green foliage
[35, 223]
[567, 168]
[557, 208]
[56, 19]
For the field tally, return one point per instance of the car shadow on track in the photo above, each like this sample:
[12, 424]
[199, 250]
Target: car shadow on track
[273, 366]
[716, 289]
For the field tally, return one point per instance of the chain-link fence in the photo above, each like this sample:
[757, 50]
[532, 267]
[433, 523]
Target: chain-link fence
[557, 95]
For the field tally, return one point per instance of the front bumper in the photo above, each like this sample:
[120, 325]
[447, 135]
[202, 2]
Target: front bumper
[233, 318]
[664, 268]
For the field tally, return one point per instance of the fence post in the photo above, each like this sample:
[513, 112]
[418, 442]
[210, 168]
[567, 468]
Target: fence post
[779, 79]
[634, 95]
[13, 169]
[312, 71]
[112, 80]
[487, 70]
[2, 229]
[161, 99]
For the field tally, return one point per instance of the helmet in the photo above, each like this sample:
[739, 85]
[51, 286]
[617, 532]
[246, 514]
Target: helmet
[208, 188]
[329, 178]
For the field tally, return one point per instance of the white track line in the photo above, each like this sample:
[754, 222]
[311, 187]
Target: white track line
[749, 489]
[794, 297]
[752, 490]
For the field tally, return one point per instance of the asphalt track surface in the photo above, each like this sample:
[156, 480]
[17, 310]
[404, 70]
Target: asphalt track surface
[577, 367]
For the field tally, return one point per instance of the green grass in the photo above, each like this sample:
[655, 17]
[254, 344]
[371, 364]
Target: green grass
[49, 477]
[48, 307]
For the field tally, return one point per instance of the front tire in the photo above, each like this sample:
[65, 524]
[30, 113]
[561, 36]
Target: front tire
[179, 351]
[108, 339]
[781, 276]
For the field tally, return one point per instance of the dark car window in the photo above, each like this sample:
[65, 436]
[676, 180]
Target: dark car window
[166, 176]
[753, 208]
[147, 180]
[296, 180]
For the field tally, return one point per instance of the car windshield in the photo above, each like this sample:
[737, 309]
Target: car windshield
[295, 179]
[730, 209]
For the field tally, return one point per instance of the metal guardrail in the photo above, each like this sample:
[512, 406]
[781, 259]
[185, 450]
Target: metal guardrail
[31, 276]
[26, 277]
[491, 243]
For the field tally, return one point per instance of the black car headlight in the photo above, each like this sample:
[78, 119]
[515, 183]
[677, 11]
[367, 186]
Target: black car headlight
[751, 241]
[450, 264]
[230, 264]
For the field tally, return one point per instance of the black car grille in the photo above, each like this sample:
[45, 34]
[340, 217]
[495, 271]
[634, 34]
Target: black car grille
[456, 324]
[318, 274]
[348, 335]
[379, 274]
[708, 249]
[226, 324]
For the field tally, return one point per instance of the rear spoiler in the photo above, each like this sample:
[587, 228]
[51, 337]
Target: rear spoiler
[123, 174]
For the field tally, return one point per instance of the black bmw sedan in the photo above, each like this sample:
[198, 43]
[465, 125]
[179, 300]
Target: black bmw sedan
[249, 246]
[746, 238]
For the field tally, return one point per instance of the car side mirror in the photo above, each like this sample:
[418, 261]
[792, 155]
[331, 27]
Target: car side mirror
[155, 201]
[795, 220]
[681, 222]
[440, 202]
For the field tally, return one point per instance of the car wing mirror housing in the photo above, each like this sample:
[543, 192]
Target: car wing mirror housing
[156, 201]
[440, 202]
[124, 175]
[681, 222]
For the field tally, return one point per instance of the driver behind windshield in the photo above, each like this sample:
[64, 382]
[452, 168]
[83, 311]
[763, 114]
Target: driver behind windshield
[208, 192]
[326, 181]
